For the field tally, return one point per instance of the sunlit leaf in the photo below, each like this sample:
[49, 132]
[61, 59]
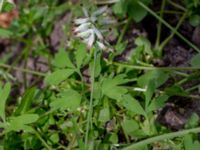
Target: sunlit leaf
[195, 62]
[58, 76]
[132, 105]
[4, 93]
[21, 122]
[62, 60]
[111, 87]
[69, 99]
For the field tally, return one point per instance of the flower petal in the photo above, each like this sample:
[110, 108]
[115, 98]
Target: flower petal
[100, 11]
[84, 34]
[101, 45]
[91, 40]
[81, 21]
[98, 34]
[82, 27]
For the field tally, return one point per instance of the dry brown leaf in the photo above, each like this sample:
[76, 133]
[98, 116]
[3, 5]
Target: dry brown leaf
[7, 18]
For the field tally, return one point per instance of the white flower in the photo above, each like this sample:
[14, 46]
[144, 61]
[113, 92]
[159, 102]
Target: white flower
[87, 27]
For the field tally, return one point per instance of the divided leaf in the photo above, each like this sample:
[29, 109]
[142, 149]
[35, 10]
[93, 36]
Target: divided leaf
[69, 99]
[111, 88]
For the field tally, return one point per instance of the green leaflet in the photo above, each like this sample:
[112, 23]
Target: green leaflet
[21, 122]
[69, 99]
[62, 60]
[26, 101]
[4, 93]
[80, 54]
[132, 105]
[111, 87]
[195, 62]
[58, 76]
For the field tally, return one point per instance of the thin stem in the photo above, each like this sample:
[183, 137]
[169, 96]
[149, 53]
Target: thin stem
[161, 137]
[42, 140]
[173, 32]
[181, 74]
[124, 31]
[160, 24]
[22, 70]
[170, 12]
[152, 68]
[193, 88]
[176, 5]
[90, 112]
[169, 26]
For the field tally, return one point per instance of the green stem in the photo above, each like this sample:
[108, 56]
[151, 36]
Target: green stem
[171, 12]
[22, 70]
[160, 24]
[42, 140]
[173, 32]
[176, 5]
[90, 112]
[161, 137]
[169, 26]
[193, 88]
[124, 31]
[152, 68]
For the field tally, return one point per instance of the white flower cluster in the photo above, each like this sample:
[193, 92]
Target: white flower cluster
[86, 28]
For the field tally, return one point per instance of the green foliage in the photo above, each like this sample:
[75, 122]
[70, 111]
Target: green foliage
[190, 144]
[5, 33]
[68, 99]
[116, 105]
[132, 105]
[193, 11]
[21, 122]
[111, 87]
[58, 76]
[131, 8]
[4, 93]
[7, 6]
[195, 62]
